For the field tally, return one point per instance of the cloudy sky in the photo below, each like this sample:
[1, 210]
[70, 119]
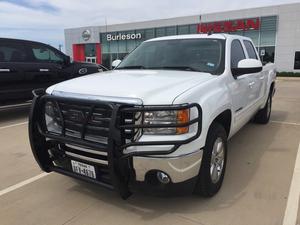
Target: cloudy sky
[44, 20]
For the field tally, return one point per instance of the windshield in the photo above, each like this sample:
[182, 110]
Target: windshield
[203, 55]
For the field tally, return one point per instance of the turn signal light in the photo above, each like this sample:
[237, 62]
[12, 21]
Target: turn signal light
[183, 116]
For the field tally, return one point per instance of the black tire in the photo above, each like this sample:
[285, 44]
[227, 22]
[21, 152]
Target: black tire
[205, 186]
[263, 115]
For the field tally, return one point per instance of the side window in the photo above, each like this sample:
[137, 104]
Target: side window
[12, 53]
[297, 61]
[250, 50]
[237, 53]
[43, 54]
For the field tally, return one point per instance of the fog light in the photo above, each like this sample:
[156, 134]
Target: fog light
[163, 178]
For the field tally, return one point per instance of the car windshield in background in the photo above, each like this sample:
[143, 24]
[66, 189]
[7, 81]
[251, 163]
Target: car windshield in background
[201, 55]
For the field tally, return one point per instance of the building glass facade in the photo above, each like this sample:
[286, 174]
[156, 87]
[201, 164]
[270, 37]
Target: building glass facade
[116, 45]
[120, 47]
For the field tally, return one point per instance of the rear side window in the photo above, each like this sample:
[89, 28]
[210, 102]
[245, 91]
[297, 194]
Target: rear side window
[12, 53]
[43, 54]
[250, 50]
[237, 53]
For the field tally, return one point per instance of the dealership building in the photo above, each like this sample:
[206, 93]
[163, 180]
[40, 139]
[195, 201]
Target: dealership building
[275, 31]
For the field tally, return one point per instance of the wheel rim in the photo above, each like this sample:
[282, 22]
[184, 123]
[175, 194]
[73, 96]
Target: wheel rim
[217, 160]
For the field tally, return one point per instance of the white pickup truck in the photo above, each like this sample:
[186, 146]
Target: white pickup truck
[160, 121]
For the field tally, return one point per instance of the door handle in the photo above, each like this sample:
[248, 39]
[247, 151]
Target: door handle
[4, 70]
[251, 84]
[44, 70]
[262, 78]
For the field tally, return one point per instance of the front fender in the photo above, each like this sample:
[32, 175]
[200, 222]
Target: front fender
[213, 97]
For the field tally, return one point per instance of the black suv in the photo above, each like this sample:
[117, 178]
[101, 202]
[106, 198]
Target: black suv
[28, 65]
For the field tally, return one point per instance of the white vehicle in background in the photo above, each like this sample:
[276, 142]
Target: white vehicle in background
[160, 120]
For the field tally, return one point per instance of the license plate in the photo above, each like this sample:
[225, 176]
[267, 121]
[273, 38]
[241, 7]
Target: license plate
[83, 169]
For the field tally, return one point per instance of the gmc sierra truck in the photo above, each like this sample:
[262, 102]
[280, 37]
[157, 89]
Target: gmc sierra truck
[160, 121]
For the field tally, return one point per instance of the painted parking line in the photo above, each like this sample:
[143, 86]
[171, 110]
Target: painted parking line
[22, 184]
[290, 216]
[13, 125]
[15, 106]
[286, 123]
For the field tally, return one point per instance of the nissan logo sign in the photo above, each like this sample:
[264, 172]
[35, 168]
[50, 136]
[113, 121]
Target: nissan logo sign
[86, 35]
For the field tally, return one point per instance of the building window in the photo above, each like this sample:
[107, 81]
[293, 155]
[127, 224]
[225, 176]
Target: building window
[170, 31]
[90, 50]
[267, 54]
[253, 35]
[193, 29]
[297, 61]
[268, 31]
[160, 32]
[183, 29]
[149, 33]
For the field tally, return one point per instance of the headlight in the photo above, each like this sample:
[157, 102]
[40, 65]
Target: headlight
[52, 118]
[172, 117]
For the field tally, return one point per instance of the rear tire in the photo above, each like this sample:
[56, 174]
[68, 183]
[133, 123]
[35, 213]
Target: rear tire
[213, 164]
[263, 115]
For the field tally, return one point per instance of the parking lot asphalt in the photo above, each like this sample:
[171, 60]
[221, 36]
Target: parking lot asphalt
[256, 188]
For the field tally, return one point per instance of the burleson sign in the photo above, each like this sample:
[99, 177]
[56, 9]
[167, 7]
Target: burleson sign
[123, 37]
[229, 26]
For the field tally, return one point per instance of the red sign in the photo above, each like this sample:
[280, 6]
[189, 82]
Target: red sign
[229, 26]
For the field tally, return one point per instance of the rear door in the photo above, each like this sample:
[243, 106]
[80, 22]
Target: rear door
[13, 57]
[257, 79]
[44, 68]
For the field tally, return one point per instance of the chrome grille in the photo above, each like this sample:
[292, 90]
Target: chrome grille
[90, 123]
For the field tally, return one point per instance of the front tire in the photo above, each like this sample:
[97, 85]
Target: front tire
[213, 164]
[263, 115]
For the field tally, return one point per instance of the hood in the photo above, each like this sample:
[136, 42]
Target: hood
[149, 87]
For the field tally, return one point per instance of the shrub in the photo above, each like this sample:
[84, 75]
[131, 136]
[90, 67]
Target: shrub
[288, 74]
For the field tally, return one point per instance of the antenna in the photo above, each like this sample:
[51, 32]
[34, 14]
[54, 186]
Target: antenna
[200, 22]
[105, 24]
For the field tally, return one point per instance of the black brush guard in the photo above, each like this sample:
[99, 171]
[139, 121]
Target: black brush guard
[119, 164]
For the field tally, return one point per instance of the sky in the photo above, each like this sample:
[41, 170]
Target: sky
[45, 20]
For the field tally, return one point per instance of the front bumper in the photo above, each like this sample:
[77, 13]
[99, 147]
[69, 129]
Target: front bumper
[115, 168]
[179, 168]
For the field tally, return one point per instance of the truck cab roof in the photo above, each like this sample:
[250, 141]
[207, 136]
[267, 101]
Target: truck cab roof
[221, 36]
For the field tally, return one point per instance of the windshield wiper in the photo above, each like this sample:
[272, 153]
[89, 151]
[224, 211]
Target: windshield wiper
[186, 68]
[130, 67]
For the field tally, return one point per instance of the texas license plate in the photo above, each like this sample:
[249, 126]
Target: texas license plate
[83, 169]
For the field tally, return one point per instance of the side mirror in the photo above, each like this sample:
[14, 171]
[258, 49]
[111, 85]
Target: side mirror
[246, 66]
[115, 63]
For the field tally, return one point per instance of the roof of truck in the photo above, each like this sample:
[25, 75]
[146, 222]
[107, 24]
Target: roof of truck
[20, 41]
[197, 36]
